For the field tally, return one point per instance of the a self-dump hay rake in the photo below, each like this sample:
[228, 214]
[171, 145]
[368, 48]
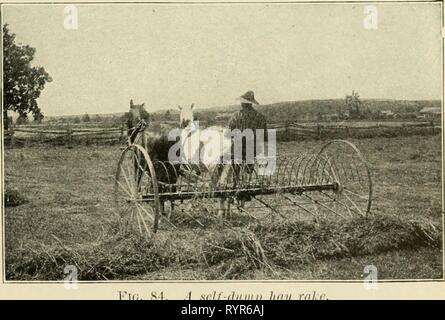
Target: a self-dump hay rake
[331, 182]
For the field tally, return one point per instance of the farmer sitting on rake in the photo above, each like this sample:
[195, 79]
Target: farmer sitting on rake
[245, 119]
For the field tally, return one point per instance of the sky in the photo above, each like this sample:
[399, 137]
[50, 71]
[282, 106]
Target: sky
[209, 54]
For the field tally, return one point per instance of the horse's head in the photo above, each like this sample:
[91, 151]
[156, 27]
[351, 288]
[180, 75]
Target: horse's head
[136, 112]
[186, 115]
[135, 115]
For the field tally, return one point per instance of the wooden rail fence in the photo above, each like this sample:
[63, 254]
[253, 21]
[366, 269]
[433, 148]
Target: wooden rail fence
[40, 134]
[287, 132]
[295, 131]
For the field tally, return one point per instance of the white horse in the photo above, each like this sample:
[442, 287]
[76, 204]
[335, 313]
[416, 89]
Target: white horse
[206, 148]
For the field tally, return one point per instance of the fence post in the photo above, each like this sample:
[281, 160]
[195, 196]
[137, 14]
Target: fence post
[432, 127]
[69, 133]
[286, 132]
[318, 132]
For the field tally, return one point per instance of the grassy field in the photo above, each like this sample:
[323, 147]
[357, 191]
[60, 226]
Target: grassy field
[68, 218]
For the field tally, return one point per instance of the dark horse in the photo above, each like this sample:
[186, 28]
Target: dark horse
[157, 146]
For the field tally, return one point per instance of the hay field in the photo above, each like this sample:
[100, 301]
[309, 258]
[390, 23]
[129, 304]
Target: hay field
[67, 218]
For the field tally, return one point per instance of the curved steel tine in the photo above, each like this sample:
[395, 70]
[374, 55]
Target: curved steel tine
[217, 173]
[260, 180]
[241, 176]
[231, 174]
[294, 162]
[306, 174]
[276, 174]
[165, 169]
[206, 178]
[359, 176]
[253, 178]
[314, 172]
[325, 173]
[298, 179]
[205, 183]
[176, 177]
[327, 167]
[197, 166]
[283, 171]
[189, 181]
[212, 178]
[221, 182]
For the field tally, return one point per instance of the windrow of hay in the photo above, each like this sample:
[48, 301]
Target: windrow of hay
[233, 252]
[291, 243]
[115, 258]
[225, 253]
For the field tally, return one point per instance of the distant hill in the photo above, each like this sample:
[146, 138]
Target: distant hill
[306, 110]
[280, 112]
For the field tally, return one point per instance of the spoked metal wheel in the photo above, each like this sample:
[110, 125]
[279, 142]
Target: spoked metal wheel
[136, 194]
[339, 162]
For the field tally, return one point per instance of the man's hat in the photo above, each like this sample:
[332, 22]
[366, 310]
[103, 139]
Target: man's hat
[248, 97]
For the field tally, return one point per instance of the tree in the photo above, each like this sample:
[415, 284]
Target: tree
[97, 118]
[22, 82]
[38, 117]
[22, 119]
[167, 115]
[86, 118]
[353, 105]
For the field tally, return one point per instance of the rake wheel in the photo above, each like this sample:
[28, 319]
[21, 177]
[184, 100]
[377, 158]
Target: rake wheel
[341, 163]
[135, 177]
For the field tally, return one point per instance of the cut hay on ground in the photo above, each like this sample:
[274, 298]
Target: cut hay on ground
[226, 253]
[287, 244]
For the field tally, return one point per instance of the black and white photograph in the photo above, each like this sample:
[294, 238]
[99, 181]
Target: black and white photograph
[222, 142]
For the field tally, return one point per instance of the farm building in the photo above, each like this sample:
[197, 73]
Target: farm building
[431, 112]
[387, 114]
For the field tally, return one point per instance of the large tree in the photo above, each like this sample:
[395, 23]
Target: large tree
[22, 83]
[354, 104]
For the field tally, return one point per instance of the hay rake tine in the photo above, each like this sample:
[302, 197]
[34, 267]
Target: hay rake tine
[247, 212]
[270, 207]
[363, 198]
[354, 204]
[339, 202]
[266, 204]
[324, 206]
[164, 218]
[193, 218]
[299, 206]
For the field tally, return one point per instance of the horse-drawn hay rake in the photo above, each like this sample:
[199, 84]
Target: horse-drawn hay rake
[331, 182]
